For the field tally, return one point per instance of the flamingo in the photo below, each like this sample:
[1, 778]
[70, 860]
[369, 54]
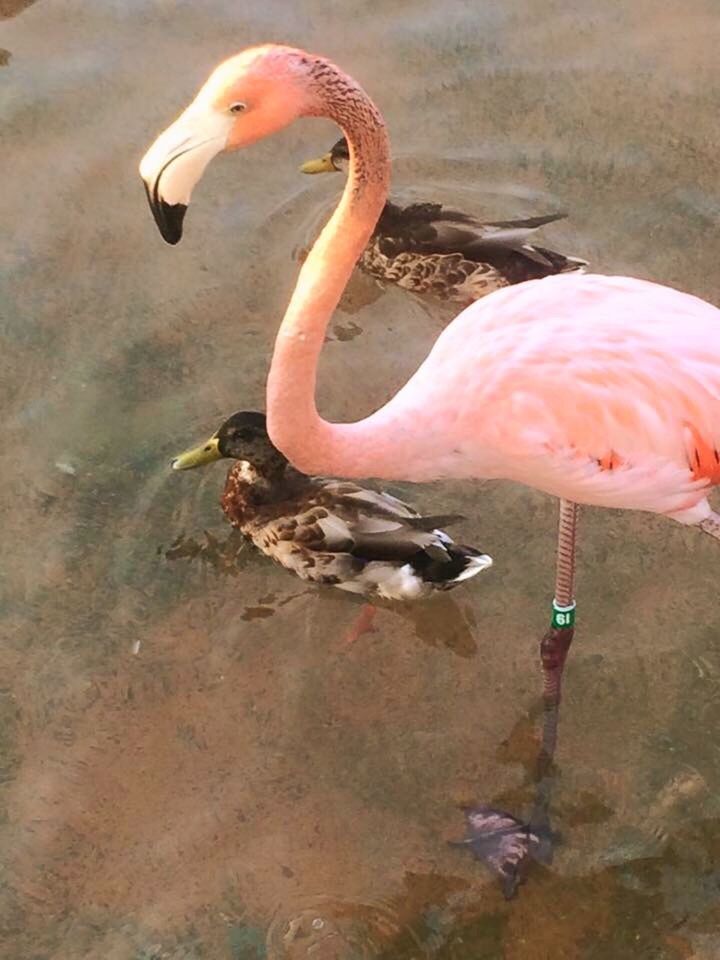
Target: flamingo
[598, 390]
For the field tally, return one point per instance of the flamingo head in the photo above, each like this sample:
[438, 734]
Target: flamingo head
[250, 96]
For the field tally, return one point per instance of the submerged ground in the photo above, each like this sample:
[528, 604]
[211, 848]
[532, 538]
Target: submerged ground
[192, 763]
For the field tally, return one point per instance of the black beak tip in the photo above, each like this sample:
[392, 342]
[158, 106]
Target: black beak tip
[168, 216]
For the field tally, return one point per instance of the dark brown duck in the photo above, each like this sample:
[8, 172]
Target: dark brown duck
[330, 531]
[431, 249]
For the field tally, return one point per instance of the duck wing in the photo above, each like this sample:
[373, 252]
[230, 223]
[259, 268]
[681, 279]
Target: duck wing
[432, 229]
[362, 540]
[339, 517]
[398, 561]
[367, 504]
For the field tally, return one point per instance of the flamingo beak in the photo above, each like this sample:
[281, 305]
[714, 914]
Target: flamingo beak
[176, 162]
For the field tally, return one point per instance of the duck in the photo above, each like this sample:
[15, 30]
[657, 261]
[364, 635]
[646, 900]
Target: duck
[430, 249]
[330, 531]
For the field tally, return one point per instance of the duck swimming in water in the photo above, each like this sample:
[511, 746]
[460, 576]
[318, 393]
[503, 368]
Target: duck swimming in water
[331, 531]
[431, 249]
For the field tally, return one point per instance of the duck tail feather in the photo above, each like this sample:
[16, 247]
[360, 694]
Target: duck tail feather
[458, 563]
[529, 223]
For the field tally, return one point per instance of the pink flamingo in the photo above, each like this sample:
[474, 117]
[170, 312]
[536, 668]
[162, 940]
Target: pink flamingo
[598, 390]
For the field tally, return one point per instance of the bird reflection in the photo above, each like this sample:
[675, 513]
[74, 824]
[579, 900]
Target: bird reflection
[438, 621]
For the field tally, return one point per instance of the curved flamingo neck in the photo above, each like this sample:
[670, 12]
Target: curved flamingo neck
[309, 442]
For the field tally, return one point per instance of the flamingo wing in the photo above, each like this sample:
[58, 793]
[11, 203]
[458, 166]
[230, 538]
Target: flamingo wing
[603, 390]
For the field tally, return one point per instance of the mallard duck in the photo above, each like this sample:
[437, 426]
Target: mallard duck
[432, 249]
[330, 531]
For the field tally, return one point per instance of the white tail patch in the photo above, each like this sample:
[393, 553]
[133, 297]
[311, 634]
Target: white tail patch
[474, 566]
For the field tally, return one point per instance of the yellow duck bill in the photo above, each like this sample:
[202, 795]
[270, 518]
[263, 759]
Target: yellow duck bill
[323, 164]
[198, 456]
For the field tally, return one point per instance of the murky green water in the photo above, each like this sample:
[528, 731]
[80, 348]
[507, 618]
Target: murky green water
[192, 763]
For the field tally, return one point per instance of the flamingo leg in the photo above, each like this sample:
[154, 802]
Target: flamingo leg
[503, 842]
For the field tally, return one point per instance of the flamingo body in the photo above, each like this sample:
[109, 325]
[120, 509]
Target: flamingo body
[601, 390]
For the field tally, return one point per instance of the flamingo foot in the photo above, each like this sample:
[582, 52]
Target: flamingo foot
[363, 624]
[506, 845]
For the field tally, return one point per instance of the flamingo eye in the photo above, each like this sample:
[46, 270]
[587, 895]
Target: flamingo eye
[237, 107]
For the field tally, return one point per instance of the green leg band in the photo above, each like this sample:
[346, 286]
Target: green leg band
[563, 618]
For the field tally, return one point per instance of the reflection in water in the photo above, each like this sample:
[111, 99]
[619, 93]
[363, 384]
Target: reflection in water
[163, 803]
[438, 621]
[227, 554]
[347, 332]
[443, 622]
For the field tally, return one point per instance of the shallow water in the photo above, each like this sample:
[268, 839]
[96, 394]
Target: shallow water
[192, 763]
